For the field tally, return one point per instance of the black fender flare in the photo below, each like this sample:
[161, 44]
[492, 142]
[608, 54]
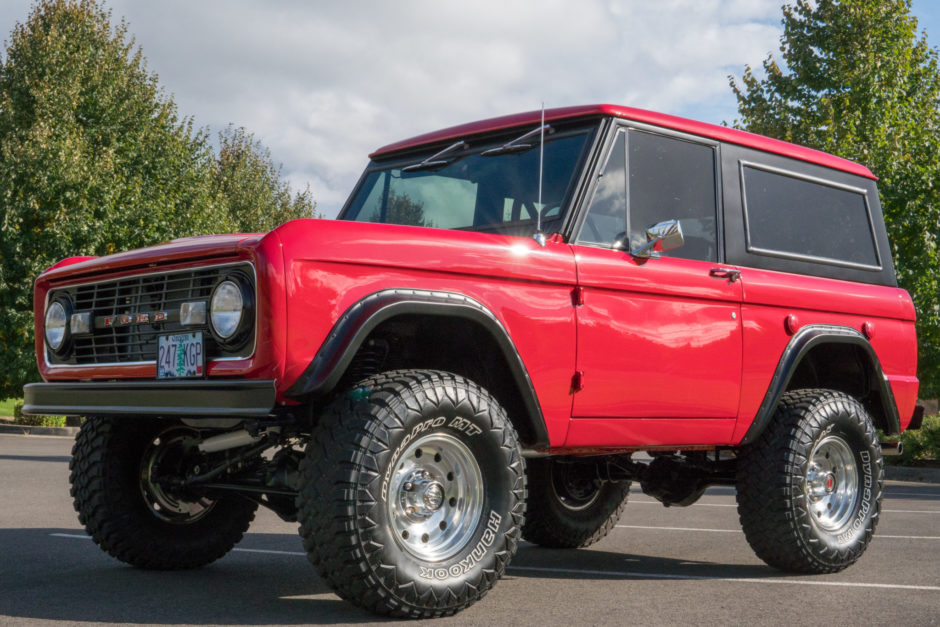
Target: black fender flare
[799, 346]
[323, 374]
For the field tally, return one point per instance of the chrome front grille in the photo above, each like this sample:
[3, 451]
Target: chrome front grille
[153, 302]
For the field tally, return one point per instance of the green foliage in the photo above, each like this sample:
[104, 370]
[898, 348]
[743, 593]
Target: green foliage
[923, 444]
[7, 406]
[95, 159]
[860, 82]
[402, 209]
[40, 421]
[249, 187]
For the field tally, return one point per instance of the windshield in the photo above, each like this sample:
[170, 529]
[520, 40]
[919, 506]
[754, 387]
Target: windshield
[465, 189]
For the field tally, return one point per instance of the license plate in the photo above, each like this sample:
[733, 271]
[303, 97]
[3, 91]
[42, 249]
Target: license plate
[180, 356]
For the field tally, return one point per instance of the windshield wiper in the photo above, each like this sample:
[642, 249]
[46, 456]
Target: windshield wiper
[515, 145]
[435, 161]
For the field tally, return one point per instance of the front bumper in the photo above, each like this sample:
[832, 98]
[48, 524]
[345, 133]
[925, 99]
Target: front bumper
[236, 398]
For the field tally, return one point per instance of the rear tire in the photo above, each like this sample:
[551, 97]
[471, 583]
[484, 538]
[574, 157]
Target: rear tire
[135, 519]
[809, 490]
[413, 493]
[568, 508]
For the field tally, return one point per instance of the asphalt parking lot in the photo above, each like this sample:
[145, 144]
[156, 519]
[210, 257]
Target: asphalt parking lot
[679, 565]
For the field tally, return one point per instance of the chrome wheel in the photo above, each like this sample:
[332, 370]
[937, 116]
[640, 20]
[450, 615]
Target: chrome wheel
[435, 497]
[173, 453]
[831, 486]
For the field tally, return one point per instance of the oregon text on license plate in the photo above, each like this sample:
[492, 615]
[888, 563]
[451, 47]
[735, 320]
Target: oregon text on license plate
[179, 355]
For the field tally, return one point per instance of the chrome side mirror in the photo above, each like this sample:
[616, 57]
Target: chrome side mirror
[659, 238]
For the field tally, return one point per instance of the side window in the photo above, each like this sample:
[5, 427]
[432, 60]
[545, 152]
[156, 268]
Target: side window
[797, 218]
[606, 220]
[673, 179]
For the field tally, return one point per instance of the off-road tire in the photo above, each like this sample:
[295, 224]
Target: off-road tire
[554, 521]
[106, 488]
[789, 503]
[353, 490]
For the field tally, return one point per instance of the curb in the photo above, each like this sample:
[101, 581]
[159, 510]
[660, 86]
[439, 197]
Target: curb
[912, 473]
[28, 430]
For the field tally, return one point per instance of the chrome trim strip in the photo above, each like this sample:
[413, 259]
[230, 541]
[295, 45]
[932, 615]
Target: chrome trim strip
[796, 256]
[134, 364]
[826, 260]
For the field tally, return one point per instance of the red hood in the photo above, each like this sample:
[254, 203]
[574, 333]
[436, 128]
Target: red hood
[200, 247]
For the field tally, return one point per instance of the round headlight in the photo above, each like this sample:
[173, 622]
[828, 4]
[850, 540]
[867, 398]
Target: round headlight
[225, 310]
[57, 320]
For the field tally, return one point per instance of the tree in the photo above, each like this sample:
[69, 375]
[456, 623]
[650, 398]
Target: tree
[249, 187]
[94, 159]
[402, 209]
[860, 82]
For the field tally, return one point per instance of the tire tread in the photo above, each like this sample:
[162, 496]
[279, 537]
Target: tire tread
[119, 525]
[343, 447]
[771, 505]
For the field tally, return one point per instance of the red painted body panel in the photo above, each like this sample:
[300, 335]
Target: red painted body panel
[264, 253]
[335, 264]
[645, 383]
[770, 297]
[68, 261]
[657, 339]
[671, 357]
[186, 249]
[648, 433]
[721, 133]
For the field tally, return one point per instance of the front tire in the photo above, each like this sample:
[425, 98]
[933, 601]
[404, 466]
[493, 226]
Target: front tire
[133, 517]
[568, 507]
[809, 490]
[413, 494]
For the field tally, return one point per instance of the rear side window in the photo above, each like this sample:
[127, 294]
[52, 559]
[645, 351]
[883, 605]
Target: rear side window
[795, 217]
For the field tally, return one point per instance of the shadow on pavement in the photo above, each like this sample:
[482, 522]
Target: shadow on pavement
[70, 579]
[597, 564]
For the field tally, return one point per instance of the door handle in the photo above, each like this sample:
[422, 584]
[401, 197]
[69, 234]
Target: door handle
[725, 273]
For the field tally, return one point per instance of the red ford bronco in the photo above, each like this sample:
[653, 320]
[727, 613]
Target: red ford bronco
[503, 314]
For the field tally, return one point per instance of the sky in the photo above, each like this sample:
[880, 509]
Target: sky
[322, 84]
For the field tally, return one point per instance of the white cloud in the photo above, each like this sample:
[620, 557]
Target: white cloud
[323, 84]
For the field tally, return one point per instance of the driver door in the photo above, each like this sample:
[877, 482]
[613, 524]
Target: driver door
[658, 338]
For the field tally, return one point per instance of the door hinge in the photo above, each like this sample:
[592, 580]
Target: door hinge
[577, 296]
[577, 382]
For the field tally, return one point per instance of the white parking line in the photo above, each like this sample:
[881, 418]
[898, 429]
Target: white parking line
[790, 582]
[893, 511]
[678, 529]
[76, 536]
[877, 535]
[633, 574]
[912, 511]
[301, 554]
[647, 502]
